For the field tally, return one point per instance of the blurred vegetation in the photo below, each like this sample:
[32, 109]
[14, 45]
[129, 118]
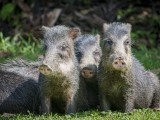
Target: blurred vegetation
[7, 11]
[12, 47]
[19, 18]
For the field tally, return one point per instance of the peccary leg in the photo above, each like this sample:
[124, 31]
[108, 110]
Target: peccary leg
[45, 105]
[129, 104]
[156, 100]
[104, 104]
[71, 105]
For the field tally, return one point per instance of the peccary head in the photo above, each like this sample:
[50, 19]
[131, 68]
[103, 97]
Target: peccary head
[117, 46]
[59, 55]
[88, 52]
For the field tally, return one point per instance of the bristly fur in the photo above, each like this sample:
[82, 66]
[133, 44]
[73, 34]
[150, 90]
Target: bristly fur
[125, 90]
[18, 94]
[66, 83]
[85, 47]
[85, 41]
[60, 31]
[118, 29]
[22, 67]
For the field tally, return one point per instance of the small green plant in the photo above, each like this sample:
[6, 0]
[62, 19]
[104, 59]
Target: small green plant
[7, 11]
[17, 46]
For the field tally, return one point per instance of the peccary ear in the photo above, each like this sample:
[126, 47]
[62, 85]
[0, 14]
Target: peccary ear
[98, 39]
[44, 29]
[40, 31]
[74, 32]
[129, 27]
[105, 27]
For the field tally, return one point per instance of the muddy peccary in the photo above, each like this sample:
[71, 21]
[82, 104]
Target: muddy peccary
[88, 52]
[59, 73]
[123, 82]
[18, 94]
[22, 67]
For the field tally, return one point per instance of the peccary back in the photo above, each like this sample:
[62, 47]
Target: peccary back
[22, 67]
[18, 94]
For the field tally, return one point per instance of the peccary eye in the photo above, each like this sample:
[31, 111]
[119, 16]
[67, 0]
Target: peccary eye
[96, 56]
[61, 56]
[109, 42]
[64, 51]
[64, 47]
[96, 53]
[126, 42]
[79, 56]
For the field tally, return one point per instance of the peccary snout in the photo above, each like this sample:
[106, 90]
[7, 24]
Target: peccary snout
[44, 69]
[119, 63]
[89, 71]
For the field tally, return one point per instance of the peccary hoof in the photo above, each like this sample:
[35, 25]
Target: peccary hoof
[156, 109]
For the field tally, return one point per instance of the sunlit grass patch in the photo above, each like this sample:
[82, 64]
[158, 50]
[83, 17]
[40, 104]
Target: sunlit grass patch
[17, 46]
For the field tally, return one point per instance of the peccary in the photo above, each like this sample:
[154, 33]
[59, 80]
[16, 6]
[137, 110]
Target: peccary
[88, 52]
[22, 67]
[18, 94]
[59, 73]
[124, 84]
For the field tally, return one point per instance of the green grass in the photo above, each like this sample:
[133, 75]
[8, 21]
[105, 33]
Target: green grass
[31, 49]
[149, 58]
[144, 114]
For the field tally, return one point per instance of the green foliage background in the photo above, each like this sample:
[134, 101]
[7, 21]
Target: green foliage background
[145, 48]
